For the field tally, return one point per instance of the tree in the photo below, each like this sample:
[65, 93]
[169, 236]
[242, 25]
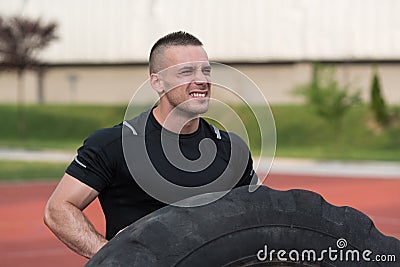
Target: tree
[378, 104]
[21, 39]
[330, 100]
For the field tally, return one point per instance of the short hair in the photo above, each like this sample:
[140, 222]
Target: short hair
[179, 38]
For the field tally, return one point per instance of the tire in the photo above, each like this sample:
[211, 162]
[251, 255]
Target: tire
[234, 229]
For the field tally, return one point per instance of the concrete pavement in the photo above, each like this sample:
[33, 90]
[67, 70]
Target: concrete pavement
[37, 155]
[361, 169]
[364, 169]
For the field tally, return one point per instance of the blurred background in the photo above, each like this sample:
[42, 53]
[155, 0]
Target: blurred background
[102, 48]
[330, 71]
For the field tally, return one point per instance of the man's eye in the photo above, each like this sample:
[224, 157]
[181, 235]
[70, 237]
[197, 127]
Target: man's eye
[187, 72]
[207, 71]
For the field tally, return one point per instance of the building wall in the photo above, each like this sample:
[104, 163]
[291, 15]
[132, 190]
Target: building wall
[104, 31]
[117, 84]
[96, 32]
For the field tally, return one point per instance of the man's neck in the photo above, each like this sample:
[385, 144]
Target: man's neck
[177, 122]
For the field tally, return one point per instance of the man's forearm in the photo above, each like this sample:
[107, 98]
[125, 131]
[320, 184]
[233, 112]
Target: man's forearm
[71, 226]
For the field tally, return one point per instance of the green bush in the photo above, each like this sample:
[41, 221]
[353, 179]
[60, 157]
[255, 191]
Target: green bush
[327, 97]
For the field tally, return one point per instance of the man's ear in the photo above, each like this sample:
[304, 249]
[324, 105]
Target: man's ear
[156, 83]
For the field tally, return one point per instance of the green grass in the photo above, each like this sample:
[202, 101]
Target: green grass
[21, 170]
[55, 126]
[300, 133]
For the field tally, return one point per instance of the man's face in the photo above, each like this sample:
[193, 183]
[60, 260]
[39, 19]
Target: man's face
[186, 79]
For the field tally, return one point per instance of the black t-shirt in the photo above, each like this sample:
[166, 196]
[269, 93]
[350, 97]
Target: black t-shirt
[101, 164]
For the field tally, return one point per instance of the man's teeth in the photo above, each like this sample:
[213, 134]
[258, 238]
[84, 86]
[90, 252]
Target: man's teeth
[198, 94]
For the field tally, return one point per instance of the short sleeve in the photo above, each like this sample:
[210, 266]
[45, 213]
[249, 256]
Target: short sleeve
[242, 160]
[248, 174]
[93, 164]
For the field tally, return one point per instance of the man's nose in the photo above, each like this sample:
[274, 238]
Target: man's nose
[200, 78]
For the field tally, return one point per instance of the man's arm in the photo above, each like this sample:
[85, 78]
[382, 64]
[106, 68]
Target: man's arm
[248, 175]
[63, 215]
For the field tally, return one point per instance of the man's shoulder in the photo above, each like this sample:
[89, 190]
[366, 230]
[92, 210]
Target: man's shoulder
[113, 135]
[137, 124]
[104, 136]
[234, 139]
[229, 138]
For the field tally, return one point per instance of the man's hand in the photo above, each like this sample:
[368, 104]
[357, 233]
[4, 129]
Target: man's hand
[63, 215]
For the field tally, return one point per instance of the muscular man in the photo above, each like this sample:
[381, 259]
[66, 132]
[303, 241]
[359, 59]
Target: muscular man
[181, 74]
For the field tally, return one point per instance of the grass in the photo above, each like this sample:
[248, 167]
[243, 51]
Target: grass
[55, 126]
[26, 171]
[300, 134]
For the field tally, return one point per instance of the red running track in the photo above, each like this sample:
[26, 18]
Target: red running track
[25, 240]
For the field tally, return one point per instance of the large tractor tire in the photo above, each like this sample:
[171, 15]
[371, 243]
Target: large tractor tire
[249, 229]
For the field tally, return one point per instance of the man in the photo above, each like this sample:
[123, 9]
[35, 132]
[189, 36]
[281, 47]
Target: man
[180, 73]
